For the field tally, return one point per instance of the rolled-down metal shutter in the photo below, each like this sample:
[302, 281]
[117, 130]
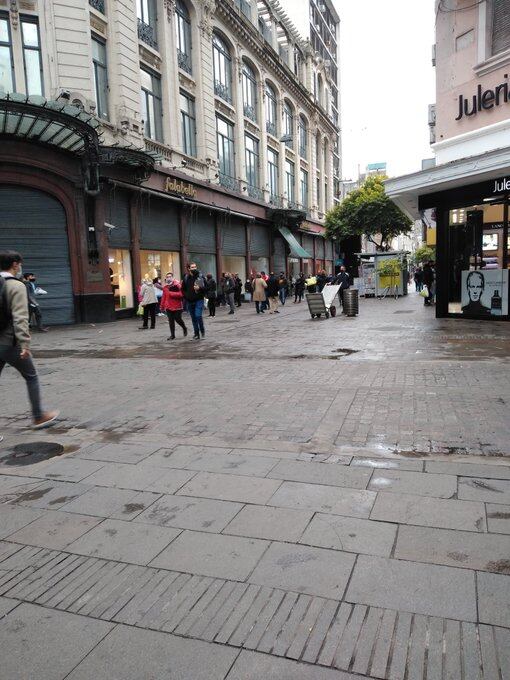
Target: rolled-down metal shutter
[159, 225]
[118, 216]
[34, 223]
[233, 237]
[279, 257]
[259, 240]
[319, 247]
[202, 233]
[307, 244]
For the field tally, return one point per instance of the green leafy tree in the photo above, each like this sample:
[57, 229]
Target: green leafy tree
[423, 254]
[368, 211]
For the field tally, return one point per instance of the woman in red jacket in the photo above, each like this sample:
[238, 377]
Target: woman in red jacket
[171, 303]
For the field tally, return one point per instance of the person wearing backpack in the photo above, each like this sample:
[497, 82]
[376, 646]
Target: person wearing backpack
[15, 335]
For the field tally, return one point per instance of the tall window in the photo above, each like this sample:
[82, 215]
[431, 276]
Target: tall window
[290, 178]
[249, 92]
[188, 125]
[318, 151]
[146, 13]
[272, 172]
[500, 26]
[6, 60]
[225, 141]
[151, 105]
[183, 31]
[222, 69]
[303, 136]
[318, 193]
[32, 56]
[251, 148]
[288, 124]
[100, 76]
[271, 111]
[303, 188]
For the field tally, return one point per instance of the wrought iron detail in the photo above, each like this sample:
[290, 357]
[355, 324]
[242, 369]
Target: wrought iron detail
[277, 201]
[222, 91]
[147, 34]
[229, 182]
[271, 128]
[99, 5]
[250, 112]
[184, 61]
[255, 192]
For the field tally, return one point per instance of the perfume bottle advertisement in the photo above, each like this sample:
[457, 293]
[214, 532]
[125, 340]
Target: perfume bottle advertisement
[485, 292]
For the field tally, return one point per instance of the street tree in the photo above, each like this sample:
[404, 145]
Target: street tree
[368, 211]
[424, 253]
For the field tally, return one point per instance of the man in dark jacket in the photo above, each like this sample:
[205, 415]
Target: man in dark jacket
[238, 290]
[193, 288]
[34, 309]
[299, 288]
[211, 293]
[272, 293]
[428, 280]
[229, 290]
[343, 280]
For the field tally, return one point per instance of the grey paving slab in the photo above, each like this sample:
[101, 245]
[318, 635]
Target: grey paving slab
[388, 463]
[6, 605]
[49, 643]
[350, 534]
[413, 587]
[488, 490]
[304, 570]
[125, 476]
[54, 529]
[231, 487]
[52, 494]
[321, 498]
[418, 483]
[195, 552]
[431, 512]
[267, 453]
[318, 473]
[163, 457]
[13, 518]
[170, 481]
[131, 654]
[465, 469]
[274, 524]
[485, 552]
[256, 666]
[494, 599]
[124, 541]
[114, 503]
[69, 468]
[190, 458]
[498, 518]
[184, 512]
[119, 453]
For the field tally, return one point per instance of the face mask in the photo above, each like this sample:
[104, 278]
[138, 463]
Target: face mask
[19, 275]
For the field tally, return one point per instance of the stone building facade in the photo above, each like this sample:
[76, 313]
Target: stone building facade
[199, 133]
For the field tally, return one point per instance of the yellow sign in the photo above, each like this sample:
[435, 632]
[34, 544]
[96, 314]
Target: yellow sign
[178, 187]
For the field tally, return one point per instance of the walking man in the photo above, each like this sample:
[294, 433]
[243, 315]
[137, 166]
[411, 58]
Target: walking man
[282, 288]
[34, 309]
[229, 288]
[272, 294]
[194, 293]
[343, 280]
[15, 336]
[210, 293]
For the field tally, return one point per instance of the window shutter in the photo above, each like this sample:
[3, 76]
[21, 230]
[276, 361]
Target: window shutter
[500, 26]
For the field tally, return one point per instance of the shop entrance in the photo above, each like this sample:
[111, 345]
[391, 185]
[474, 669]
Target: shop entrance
[34, 223]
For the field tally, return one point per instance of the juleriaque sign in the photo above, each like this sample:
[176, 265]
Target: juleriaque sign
[176, 186]
[484, 99]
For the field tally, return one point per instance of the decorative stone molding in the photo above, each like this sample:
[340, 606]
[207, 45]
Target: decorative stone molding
[187, 82]
[14, 14]
[98, 24]
[208, 10]
[224, 109]
[169, 6]
[150, 58]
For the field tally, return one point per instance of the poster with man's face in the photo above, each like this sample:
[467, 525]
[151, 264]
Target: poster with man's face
[485, 292]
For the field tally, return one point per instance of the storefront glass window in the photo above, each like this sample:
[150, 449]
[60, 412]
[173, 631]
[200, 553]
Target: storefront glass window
[205, 262]
[158, 263]
[259, 264]
[235, 265]
[121, 278]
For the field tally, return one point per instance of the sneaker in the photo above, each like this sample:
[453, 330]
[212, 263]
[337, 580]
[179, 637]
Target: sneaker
[42, 329]
[172, 337]
[276, 311]
[231, 311]
[202, 333]
[196, 337]
[143, 328]
[185, 331]
[161, 314]
[45, 420]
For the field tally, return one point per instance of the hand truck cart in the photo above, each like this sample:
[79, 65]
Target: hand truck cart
[322, 303]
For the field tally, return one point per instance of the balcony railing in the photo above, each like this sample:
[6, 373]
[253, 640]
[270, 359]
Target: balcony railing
[184, 61]
[277, 201]
[292, 205]
[222, 91]
[255, 192]
[250, 112]
[271, 128]
[98, 4]
[147, 34]
[229, 182]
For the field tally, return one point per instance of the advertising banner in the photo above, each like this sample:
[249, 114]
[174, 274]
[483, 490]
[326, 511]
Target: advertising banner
[485, 292]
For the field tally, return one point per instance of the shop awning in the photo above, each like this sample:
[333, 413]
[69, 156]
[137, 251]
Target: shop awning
[296, 250]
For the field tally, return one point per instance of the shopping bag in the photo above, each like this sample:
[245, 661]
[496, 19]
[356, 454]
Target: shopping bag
[424, 292]
[139, 311]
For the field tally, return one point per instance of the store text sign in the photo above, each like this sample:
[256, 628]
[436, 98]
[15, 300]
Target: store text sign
[501, 185]
[484, 99]
[176, 186]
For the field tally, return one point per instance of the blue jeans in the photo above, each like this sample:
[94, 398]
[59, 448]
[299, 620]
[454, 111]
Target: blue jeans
[11, 355]
[282, 294]
[195, 310]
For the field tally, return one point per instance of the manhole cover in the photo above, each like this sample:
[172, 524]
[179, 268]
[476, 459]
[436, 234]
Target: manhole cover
[32, 452]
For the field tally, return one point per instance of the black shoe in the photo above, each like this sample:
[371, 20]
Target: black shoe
[185, 331]
[203, 334]
[196, 337]
[172, 337]
[276, 311]
[262, 311]
[231, 311]
[143, 328]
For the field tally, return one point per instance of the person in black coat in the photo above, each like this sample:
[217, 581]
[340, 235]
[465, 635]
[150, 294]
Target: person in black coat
[211, 291]
[299, 288]
[343, 280]
[272, 293]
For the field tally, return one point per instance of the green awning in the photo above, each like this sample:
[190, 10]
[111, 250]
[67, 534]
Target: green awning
[296, 250]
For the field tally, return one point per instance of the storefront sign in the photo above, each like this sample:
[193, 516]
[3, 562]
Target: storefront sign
[483, 100]
[501, 185]
[485, 293]
[176, 186]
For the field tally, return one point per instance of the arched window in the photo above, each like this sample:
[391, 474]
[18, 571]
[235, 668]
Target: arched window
[249, 92]
[271, 109]
[222, 69]
[183, 35]
[303, 136]
[288, 124]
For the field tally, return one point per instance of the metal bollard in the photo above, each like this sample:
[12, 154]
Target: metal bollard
[351, 302]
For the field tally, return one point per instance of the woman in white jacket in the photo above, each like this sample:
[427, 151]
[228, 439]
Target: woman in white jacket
[149, 303]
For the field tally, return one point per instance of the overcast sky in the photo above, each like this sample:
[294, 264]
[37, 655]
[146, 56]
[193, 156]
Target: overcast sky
[387, 83]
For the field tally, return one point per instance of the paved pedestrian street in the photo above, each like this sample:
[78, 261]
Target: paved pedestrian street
[288, 499]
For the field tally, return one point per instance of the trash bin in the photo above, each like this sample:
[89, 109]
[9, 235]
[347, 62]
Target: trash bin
[351, 302]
